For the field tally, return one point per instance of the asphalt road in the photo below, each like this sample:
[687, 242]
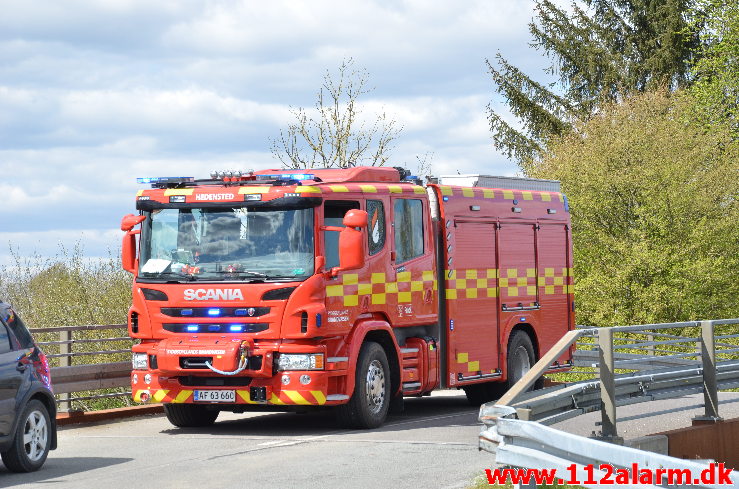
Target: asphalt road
[433, 444]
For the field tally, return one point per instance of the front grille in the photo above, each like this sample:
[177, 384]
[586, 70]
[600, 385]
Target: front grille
[233, 328]
[196, 381]
[215, 312]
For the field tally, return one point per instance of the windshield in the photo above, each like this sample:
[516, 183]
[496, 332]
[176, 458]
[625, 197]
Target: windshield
[227, 244]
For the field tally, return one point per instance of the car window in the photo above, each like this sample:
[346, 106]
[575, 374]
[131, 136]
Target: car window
[4, 339]
[19, 329]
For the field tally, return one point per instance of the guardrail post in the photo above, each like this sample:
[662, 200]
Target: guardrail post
[607, 387]
[65, 349]
[710, 385]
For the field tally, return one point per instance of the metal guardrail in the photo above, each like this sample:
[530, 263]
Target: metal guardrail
[653, 361]
[73, 375]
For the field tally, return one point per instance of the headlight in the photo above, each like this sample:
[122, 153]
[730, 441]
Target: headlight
[300, 361]
[138, 361]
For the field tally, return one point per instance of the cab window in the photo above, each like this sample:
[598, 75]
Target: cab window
[408, 229]
[375, 226]
[333, 215]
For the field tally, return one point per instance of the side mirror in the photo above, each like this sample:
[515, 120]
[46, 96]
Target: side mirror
[128, 252]
[128, 247]
[130, 221]
[351, 249]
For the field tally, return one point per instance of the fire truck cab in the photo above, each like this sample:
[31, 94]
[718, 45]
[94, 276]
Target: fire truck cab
[351, 288]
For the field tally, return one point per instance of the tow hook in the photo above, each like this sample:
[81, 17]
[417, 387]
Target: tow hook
[243, 356]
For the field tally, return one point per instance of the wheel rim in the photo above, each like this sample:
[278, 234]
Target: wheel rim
[375, 386]
[521, 363]
[35, 436]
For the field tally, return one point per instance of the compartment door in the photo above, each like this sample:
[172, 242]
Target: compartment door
[471, 301]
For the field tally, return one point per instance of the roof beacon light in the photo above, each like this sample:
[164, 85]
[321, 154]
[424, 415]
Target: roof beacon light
[288, 176]
[164, 180]
[231, 175]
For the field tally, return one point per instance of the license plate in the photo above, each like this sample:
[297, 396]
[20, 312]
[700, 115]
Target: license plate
[215, 396]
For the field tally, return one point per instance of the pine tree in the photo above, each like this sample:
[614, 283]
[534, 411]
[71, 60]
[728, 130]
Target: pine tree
[601, 50]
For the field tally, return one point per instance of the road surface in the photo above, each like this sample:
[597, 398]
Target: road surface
[432, 444]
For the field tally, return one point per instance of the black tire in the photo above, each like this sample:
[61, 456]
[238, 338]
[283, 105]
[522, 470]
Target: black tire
[369, 404]
[33, 425]
[190, 415]
[521, 358]
[480, 393]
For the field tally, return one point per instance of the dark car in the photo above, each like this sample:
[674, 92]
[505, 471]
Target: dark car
[27, 406]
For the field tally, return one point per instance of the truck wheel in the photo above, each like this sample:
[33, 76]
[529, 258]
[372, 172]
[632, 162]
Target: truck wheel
[370, 401]
[32, 439]
[480, 393]
[521, 358]
[190, 415]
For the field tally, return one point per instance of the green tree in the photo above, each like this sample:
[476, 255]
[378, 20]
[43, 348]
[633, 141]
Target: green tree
[601, 50]
[334, 134]
[717, 72]
[654, 211]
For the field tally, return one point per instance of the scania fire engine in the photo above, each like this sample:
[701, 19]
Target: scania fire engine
[344, 288]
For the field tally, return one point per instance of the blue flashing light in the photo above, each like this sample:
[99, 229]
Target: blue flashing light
[214, 328]
[240, 312]
[192, 328]
[318, 320]
[288, 176]
[164, 179]
[214, 312]
[186, 312]
[411, 178]
[236, 328]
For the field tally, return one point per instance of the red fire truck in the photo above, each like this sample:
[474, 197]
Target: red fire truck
[350, 288]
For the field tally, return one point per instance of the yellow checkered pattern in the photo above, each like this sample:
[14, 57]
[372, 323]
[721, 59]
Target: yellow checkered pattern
[487, 193]
[517, 282]
[556, 280]
[471, 283]
[380, 289]
[511, 282]
[473, 367]
[463, 358]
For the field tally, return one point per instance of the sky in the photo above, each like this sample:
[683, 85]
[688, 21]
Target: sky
[94, 94]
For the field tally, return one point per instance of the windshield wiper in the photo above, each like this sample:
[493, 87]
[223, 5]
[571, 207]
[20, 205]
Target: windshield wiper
[242, 272]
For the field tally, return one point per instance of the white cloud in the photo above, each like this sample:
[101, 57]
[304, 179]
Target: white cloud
[97, 93]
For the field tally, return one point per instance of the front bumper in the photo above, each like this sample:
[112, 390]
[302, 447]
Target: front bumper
[262, 391]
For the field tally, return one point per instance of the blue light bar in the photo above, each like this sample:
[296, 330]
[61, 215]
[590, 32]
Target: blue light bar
[164, 179]
[186, 312]
[288, 176]
[236, 328]
[192, 328]
[214, 312]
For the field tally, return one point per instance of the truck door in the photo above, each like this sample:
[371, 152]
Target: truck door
[554, 281]
[471, 300]
[517, 282]
[410, 295]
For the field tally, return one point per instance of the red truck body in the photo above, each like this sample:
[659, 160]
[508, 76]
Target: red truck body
[250, 294]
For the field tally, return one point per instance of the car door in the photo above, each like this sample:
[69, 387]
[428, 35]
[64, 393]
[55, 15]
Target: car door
[10, 381]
